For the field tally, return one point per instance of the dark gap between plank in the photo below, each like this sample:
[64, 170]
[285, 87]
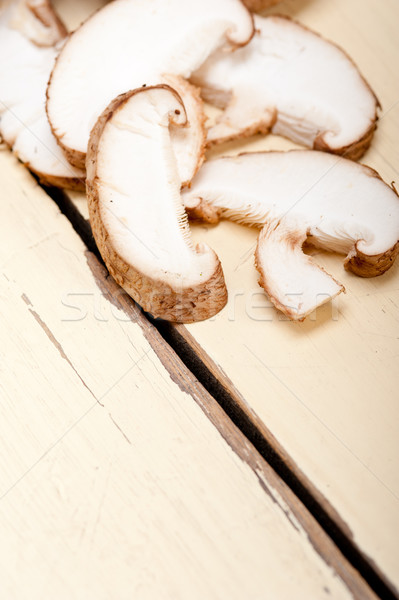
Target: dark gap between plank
[238, 416]
[215, 388]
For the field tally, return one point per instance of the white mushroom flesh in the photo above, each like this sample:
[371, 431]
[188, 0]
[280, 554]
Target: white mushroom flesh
[293, 82]
[338, 204]
[137, 214]
[25, 68]
[140, 191]
[292, 280]
[189, 141]
[130, 43]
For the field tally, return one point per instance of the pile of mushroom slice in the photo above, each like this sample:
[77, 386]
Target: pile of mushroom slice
[338, 204]
[279, 82]
[119, 105]
[292, 82]
[130, 43]
[30, 38]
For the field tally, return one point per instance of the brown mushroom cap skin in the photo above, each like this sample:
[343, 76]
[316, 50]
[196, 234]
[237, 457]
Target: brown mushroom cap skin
[74, 184]
[172, 303]
[353, 151]
[365, 265]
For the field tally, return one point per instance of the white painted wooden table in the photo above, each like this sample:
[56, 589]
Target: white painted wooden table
[120, 475]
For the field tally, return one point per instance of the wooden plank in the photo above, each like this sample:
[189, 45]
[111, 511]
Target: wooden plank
[324, 392]
[120, 476]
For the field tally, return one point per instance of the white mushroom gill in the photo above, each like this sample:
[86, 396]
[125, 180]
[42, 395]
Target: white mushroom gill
[340, 205]
[130, 43]
[136, 210]
[280, 82]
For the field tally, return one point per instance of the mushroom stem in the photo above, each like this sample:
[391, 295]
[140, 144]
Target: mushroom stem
[294, 283]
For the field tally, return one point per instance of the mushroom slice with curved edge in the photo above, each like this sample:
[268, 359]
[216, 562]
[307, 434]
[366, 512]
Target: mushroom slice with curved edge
[292, 82]
[137, 214]
[30, 37]
[130, 43]
[335, 203]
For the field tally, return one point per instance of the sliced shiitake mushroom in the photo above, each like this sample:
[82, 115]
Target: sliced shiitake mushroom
[290, 81]
[30, 37]
[136, 211]
[130, 43]
[335, 203]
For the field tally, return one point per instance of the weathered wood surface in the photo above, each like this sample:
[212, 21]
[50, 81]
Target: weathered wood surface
[120, 477]
[326, 389]
[323, 392]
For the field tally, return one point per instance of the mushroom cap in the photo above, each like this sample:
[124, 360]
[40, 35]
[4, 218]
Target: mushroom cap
[337, 204]
[280, 83]
[129, 43]
[28, 30]
[136, 211]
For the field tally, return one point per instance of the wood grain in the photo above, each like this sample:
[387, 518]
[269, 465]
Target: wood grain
[324, 392]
